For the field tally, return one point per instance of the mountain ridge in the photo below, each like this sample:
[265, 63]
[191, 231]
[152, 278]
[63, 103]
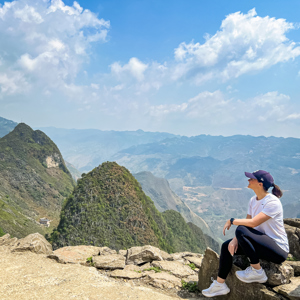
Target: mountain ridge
[33, 180]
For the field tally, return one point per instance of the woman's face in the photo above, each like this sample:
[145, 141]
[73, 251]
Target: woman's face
[253, 183]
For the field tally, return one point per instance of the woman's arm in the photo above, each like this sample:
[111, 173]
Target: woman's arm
[257, 220]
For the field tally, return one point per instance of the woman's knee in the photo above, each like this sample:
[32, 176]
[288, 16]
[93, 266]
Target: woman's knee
[240, 230]
[224, 246]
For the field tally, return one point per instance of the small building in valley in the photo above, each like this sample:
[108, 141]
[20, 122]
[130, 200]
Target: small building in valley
[45, 222]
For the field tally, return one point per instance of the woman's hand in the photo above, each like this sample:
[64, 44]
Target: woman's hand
[226, 226]
[232, 246]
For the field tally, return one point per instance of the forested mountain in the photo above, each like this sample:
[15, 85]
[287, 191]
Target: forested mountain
[109, 208]
[34, 181]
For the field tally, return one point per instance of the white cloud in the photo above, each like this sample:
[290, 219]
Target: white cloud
[134, 67]
[245, 43]
[46, 42]
[212, 108]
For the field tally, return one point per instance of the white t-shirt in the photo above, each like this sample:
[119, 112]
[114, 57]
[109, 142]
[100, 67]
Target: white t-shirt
[274, 228]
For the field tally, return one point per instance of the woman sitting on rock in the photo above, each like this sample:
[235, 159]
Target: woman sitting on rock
[260, 236]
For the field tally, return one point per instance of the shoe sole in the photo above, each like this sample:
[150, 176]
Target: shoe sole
[263, 280]
[216, 294]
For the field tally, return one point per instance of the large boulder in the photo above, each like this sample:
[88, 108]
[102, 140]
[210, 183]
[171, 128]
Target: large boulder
[176, 268]
[140, 255]
[293, 234]
[292, 222]
[34, 242]
[296, 266]
[291, 290]
[74, 254]
[277, 274]
[109, 262]
[255, 291]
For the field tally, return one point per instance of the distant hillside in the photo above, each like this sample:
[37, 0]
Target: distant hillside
[87, 148]
[158, 189]
[6, 126]
[109, 208]
[74, 172]
[34, 181]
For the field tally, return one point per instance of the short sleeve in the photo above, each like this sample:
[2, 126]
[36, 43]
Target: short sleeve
[272, 208]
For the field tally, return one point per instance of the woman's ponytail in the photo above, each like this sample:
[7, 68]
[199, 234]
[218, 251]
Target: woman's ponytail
[276, 191]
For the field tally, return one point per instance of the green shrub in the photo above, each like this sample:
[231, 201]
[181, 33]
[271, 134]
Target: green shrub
[191, 287]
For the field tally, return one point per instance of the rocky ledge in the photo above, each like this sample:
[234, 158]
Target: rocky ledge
[149, 266]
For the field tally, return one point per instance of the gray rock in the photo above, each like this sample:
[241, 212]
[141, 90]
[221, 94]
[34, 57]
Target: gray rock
[34, 242]
[176, 268]
[139, 255]
[165, 255]
[291, 290]
[123, 252]
[292, 222]
[197, 261]
[271, 295]
[133, 268]
[293, 234]
[109, 262]
[106, 251]
[296, 266]
[277, 274]
[163, 280]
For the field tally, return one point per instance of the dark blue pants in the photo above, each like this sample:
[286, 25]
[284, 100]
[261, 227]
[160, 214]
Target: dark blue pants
[253, 244]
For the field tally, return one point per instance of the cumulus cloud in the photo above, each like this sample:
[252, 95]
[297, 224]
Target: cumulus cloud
[46, 43]
[244, 43]
[134, 67]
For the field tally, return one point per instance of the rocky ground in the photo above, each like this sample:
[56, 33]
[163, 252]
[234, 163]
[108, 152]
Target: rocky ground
[30, 270]
[26, 275]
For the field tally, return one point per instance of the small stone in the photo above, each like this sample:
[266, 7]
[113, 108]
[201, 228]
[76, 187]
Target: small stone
[197, 261]
[132, 268]
[109, 262]
[163, 280]
[106, 251]
[34, 242]
[139, 255]
[126, 274]
[175, 267]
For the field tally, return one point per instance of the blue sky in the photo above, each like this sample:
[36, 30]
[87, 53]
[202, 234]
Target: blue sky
[186, 67]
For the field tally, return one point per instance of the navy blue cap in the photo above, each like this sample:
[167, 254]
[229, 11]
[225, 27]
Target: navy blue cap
[262, 176]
